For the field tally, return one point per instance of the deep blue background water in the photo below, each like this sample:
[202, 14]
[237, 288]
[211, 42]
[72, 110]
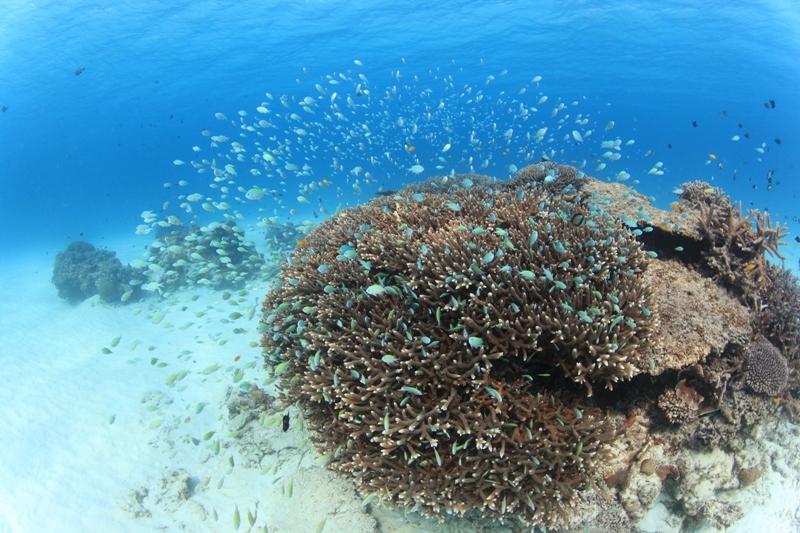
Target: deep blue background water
[87, 154]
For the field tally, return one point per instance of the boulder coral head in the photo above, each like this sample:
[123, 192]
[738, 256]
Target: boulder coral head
[418, 332]
[767, 370]
[81, 271]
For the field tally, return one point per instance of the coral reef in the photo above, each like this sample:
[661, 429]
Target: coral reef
[81, 271]
[767, 371]
[421, 334]
[451, 345]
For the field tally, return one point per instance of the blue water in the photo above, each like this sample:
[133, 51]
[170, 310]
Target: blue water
[88, 153]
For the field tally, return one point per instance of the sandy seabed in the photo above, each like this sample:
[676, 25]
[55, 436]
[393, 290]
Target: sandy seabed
[94, 441]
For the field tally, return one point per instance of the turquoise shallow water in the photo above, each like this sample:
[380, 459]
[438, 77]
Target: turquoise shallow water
[117, 116]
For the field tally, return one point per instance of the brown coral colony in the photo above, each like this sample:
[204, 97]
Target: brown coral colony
[417, 333]
[444, 343]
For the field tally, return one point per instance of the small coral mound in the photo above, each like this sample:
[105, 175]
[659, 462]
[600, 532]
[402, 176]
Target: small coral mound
[81, 271]
[767, 371]
[216, 255]
[417, 334]
[550, 176]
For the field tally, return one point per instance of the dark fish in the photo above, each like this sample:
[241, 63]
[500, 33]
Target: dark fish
[286, 422]
[5, 108]
[747, 135]
[79, 70]
[723, 113]
[772, 104]
[740, 125]
[669, 145]
[694, 123]
[778, 141]
[386, 192]
[796, 238]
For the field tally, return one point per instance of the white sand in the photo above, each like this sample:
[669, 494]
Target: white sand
[64, 467]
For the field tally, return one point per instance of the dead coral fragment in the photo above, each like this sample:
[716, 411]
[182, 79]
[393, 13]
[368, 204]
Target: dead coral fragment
[748, 476]
[767, 370]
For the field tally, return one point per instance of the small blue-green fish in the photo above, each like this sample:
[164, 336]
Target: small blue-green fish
[520, 195]
[534, 237]
[417, 197]
[236, 518]
[453, 206]
[586, 318]
[389, 359]
[466, 183]
[679, 248]
[411, 390]
[493, 393]
[479, 231]
[475, 342]
[560, 284]
[375, 290]
[487, 258]
[323, 269]
[506, 268]
[527, 274]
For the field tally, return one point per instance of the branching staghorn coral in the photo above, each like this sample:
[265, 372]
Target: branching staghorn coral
[414, 332]
[738, 250]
